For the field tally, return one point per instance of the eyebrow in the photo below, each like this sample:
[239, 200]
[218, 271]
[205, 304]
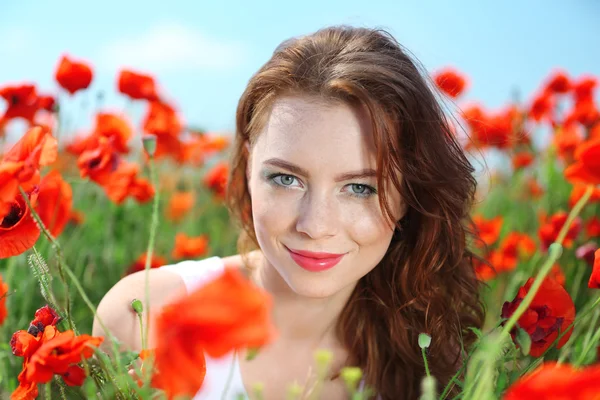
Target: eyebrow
[278, 162]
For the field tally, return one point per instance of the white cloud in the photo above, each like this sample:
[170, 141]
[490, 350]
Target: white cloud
[172, 47]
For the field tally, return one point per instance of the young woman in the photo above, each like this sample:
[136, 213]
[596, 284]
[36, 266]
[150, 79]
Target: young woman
[353, 197]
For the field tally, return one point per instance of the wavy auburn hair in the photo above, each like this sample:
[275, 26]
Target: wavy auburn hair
[426, 280]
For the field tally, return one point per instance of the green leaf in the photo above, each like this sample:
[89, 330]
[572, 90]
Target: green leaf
[524, 341]
[503, 380]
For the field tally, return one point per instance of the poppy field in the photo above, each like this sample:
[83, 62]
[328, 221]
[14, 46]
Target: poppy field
[79, 210]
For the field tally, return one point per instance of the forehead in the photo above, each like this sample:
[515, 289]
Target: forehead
[312, 131]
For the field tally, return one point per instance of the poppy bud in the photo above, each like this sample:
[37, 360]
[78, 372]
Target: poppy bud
[137, 306]
[424, 340]
[294, 391]
[149, 142]
[351, 376]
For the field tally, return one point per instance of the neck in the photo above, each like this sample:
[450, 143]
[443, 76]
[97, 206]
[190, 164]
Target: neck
[300, 318]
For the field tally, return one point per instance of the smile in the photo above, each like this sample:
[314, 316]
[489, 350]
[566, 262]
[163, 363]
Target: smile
[315, 262]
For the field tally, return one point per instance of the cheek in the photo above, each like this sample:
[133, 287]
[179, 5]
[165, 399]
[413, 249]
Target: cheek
[271, 213]
[367, 227]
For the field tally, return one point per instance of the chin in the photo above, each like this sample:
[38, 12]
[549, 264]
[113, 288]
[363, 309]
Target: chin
[312, 287]
[317, 285]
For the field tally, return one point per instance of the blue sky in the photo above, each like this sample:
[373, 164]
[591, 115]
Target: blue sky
[203, 53]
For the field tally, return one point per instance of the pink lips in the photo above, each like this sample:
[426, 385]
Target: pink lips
[315, 262]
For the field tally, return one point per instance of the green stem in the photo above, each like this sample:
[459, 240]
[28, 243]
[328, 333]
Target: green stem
[588, 347]
[150, 250]
[590, 332]
[142, 331]
[59, 255]
[425, 362]
[48, 391]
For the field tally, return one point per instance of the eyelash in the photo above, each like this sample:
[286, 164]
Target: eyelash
[371, 189]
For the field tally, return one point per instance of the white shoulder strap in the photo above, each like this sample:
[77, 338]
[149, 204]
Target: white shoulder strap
[196, 273]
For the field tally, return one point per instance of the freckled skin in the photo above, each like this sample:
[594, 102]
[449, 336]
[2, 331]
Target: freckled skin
[315, 212]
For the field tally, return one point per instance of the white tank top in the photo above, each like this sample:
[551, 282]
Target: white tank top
[194, 275]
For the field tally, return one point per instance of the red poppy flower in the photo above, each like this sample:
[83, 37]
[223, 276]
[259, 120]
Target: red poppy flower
[22, 102]
[124, 182]
[489, 230]
[142, 190]
[18, 229]
[58, 351]
[170, 146]
[189, 247]
[484, 271]
[42, 318]
[522, 159]
[140, 263]
[585, 112]
[514, 246]
[556, 381]
[179, 205]
[100, 161]
[73, 75]
[162, 119]
[9, 186]
[450, 81]
[541, 107]
[594, 282]
[566, 140]
[25, 390]
[552, 310]
[225, 314]
[583, 88]
[203, 146]
[55, 201]
[558, 82]
[492, 130]
[592, 227]
[550, 228]
[115, 127]
[3, 294]
[578, 191]
[216, 179]
[558, 275]
[47, 103]
[24, 344]
[35, 149]
[586, 169]
[75, 376]
[137, 86]
[77, 217]
[534, 189]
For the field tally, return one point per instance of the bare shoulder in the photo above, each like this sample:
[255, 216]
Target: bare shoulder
[115, 310]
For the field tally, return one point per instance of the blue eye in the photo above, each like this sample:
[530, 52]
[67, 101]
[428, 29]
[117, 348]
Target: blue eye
[285, 181]
[362, 190]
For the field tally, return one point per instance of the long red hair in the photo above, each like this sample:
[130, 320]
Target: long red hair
[426, 281]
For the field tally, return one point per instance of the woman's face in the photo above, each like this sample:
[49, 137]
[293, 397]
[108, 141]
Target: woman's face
[305, 199]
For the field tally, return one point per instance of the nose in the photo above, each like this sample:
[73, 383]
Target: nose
[318, 216]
